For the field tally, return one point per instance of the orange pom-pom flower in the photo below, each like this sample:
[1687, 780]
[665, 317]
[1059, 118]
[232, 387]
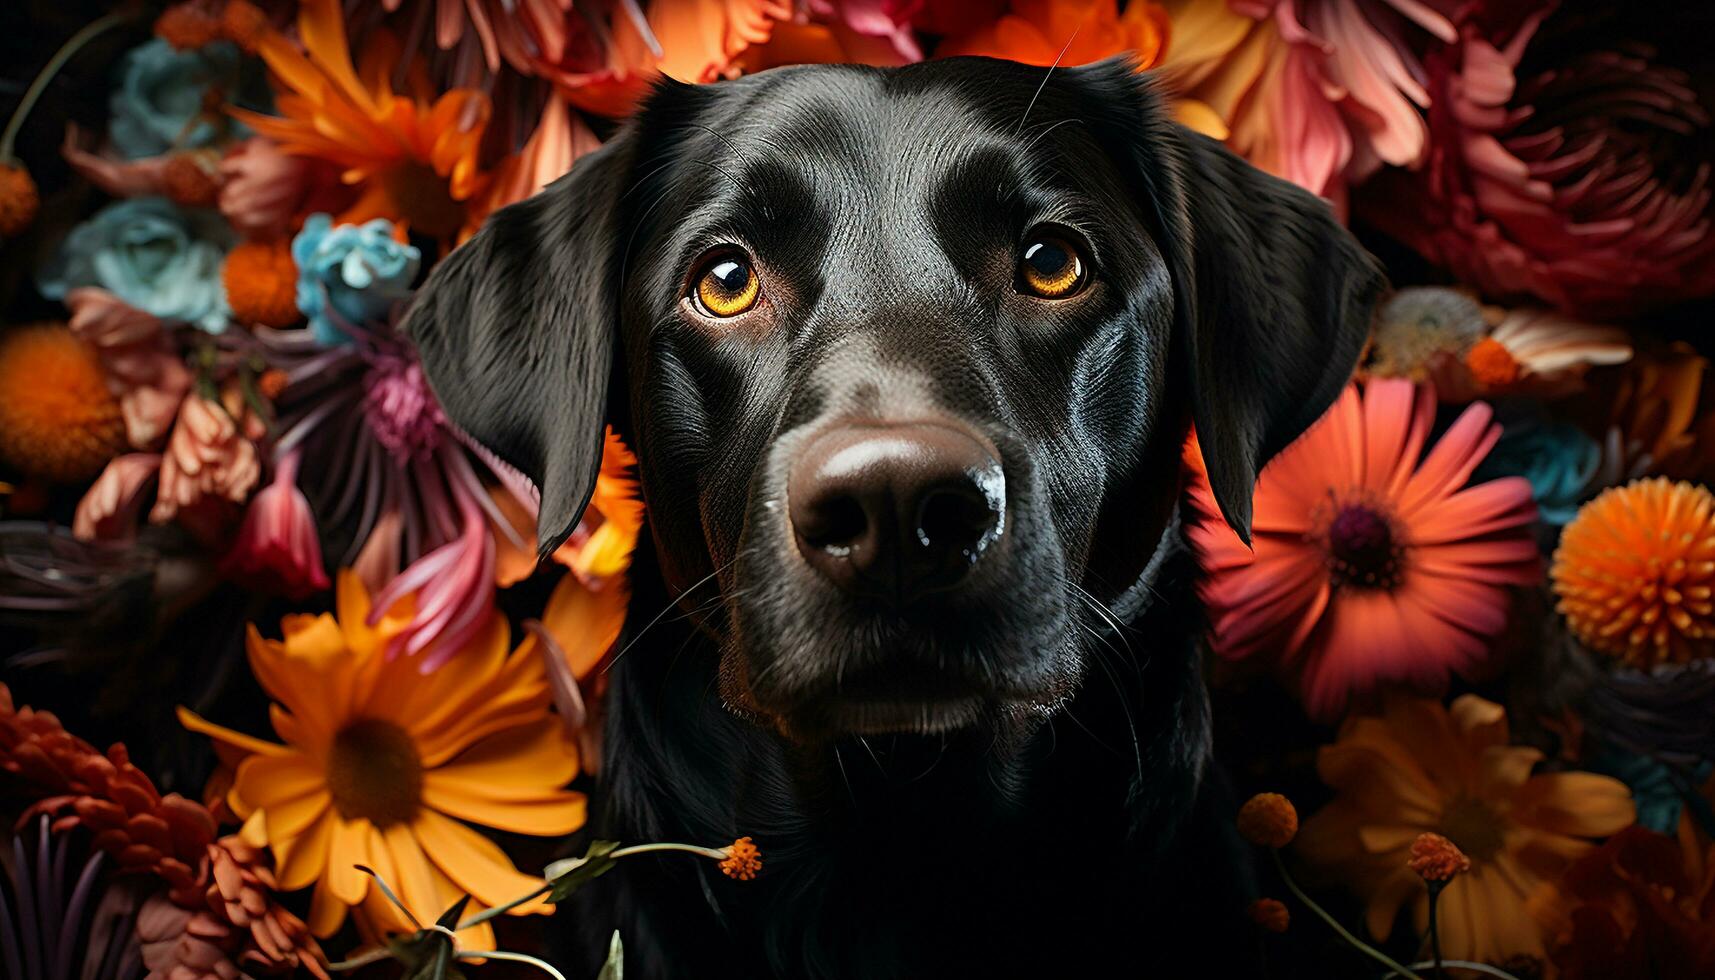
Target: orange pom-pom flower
[1635, 573]
[261, 283]
[58, 420]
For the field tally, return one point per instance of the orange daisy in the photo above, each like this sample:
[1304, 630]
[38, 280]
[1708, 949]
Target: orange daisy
[382, 762]
[1369, 565]
[413, 158]
[1422, 768]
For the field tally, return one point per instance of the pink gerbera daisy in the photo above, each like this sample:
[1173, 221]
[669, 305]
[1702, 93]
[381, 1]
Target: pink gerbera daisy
[1368, 566]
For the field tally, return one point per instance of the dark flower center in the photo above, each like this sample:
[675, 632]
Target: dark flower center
[374, 773]
[1362, 550]
[424, 200]
[1474, 826]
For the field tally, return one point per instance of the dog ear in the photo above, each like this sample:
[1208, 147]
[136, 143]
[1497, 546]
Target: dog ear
[516, 333]
[1272, 297]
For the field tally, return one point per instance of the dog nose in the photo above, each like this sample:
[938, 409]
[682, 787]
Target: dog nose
[895, 510]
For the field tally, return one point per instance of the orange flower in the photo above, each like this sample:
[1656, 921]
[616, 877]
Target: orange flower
[189, 180]
[58, 420]
[18, 200]
[690, 40]
[1422, 767]
[261, 283]
[188, 26]
[1268, 820]
[413, 158]
[1271, 914]
[382, 762]
[1635, 573]
[743, 860]
[600, 546]
[1369, 565]
[244, 24]
[1036, 31]
[1437, 859]
[559, 139]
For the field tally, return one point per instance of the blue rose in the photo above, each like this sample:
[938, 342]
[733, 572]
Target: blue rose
[152, 254]
[158, 104]
[350, 274]
[1558, 460]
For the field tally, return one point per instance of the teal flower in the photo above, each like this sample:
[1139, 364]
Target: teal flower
[158, 105]
[350, 274]
[1558, 459]
[152, 254]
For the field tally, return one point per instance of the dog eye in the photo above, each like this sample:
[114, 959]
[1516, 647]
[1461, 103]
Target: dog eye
[726, 286]
[1049, 267]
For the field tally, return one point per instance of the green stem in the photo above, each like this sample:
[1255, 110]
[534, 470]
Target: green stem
[1435, 888]
[623, 852]
[499, 910]
[46, 75]
[708, 852]
[1333, 923]
[1483, 968]
[496, 954]
[373, 956]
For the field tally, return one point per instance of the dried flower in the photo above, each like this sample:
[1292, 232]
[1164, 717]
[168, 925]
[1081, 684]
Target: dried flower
[1268, 820]
[743, 860]
[1437, 859]
[244, 24]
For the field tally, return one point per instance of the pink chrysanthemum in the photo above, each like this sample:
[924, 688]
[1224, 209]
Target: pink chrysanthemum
[1369, 567]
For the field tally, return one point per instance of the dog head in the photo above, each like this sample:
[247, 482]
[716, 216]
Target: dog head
[908, 356]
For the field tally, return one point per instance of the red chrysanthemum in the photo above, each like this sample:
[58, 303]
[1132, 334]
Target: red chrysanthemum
[1369, 565]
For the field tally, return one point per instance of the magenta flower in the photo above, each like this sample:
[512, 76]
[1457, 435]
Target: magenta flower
[1568, 161]
[277, 550]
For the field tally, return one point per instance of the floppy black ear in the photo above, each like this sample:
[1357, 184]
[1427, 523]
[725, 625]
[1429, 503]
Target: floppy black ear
[516, 332]
[1272, 297]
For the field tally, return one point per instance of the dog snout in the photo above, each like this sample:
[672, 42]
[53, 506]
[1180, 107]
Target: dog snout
[894, 511]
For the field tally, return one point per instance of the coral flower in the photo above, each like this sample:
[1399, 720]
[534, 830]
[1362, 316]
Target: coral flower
[58, 420]
[1420, 767]
[413, 158]
[1320, 92]
[144, 368]
[211, 458]
[1036, 32]
[1635, 573]
[1369, 566]
[381, 763]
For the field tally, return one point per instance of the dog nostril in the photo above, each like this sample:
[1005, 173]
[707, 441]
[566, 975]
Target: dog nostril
[834, 525]
[955, 520]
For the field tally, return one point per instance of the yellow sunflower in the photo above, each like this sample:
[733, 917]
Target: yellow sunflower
[382, 763]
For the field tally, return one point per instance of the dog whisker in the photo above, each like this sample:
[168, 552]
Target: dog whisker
[660, 615]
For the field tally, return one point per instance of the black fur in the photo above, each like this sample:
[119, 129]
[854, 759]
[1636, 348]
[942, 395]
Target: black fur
[1077, 824]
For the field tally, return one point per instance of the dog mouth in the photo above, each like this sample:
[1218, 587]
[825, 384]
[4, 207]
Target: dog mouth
[905, 700]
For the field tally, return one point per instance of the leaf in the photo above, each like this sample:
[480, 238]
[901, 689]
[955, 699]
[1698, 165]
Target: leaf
[593, 865]
[614, 968]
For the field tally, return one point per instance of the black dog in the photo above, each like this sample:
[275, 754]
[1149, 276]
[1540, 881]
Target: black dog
[908, 357]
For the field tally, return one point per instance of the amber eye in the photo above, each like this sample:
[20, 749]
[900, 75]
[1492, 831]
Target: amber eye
[1049, 267]
[726, 286]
